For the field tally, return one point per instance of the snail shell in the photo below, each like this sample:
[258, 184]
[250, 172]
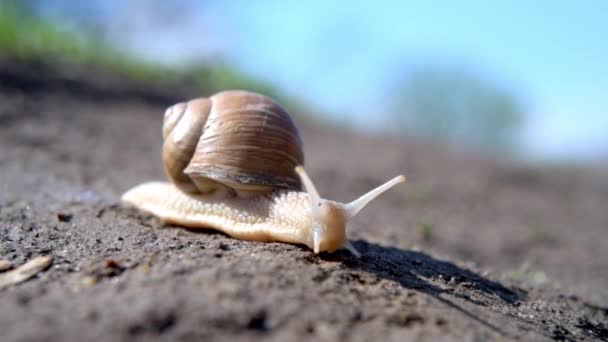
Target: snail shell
[232, 140]
[235, 163]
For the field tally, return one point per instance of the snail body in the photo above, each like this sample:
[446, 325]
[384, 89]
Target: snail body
[260, 218]
[234, 162]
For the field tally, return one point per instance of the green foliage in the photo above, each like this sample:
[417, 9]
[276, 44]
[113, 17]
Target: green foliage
[453, 105]
[426, 230]
[35, 39]
[31, 38]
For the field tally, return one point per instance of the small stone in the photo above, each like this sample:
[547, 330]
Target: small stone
[100, 212]
[89, 281]
[111, 263]
[64, 217]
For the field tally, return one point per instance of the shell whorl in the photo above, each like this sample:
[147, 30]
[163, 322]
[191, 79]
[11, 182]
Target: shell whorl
[235, 139]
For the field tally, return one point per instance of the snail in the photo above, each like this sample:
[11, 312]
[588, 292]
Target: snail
[235, 165]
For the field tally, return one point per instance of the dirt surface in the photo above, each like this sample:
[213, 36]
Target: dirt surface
[473, 248]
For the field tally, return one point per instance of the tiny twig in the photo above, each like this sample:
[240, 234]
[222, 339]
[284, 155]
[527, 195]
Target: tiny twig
[25, 271]
[5, 265]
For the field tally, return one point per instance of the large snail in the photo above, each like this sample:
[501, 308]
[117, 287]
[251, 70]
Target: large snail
[234, 161]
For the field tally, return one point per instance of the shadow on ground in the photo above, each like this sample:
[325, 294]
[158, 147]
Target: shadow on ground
[410, 268]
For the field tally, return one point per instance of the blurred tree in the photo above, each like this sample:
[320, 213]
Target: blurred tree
[454, 105]
[66, 34]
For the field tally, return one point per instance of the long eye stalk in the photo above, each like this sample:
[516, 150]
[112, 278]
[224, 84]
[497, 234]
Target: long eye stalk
[315, 199]
[354, 207]
[315, 202]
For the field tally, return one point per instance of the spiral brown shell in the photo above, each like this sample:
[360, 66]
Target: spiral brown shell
[238, 139]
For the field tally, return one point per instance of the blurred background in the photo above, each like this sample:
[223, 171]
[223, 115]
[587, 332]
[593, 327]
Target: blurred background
[525, 79]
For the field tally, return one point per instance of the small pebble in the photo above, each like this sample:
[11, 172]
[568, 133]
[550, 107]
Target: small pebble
[64, 217]
[89, 281]
[111, 263]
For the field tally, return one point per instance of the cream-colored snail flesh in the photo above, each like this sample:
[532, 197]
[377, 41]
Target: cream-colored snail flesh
[234, 161]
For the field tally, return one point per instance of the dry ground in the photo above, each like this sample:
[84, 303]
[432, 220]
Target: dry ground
[473, 248]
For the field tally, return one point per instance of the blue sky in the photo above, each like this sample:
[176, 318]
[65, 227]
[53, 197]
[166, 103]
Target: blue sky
[343, 56]
[554, 54]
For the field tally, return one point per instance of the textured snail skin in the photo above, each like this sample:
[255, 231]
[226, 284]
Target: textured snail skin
[281, 216]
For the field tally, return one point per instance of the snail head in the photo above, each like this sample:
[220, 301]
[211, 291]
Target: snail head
[330, 218]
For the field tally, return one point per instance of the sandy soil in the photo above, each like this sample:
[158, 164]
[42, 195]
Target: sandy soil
[473, 248]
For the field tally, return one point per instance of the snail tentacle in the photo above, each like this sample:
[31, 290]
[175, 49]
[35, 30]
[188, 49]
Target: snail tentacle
[354, 207]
